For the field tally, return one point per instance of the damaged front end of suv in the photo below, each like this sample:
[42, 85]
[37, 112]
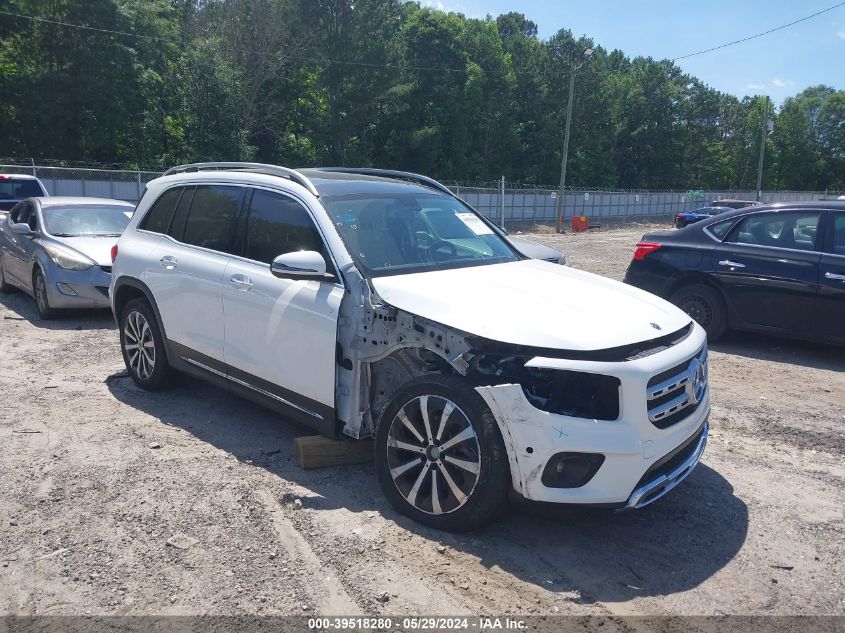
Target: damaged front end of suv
[578, 426]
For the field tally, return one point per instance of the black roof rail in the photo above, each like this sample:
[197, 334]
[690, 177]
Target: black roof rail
[260, 168]
[391, 173]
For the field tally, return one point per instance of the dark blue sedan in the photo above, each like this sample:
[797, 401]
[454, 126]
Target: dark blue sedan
[690, 217]
[778, 268]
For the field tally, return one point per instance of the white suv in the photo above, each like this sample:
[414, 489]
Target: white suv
[371, 303]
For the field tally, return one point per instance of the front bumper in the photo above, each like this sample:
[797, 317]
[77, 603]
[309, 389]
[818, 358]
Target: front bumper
[78, 289]
[632, 446]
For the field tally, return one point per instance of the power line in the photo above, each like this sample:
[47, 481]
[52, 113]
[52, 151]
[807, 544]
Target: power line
[316, 60]
[751, 37]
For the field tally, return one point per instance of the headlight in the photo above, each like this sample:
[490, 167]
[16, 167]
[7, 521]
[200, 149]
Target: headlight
[68, 258]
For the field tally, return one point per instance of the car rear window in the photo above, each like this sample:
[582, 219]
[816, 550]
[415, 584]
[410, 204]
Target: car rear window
[19, 188]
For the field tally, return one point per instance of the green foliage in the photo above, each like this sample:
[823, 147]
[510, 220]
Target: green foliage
[385, 83]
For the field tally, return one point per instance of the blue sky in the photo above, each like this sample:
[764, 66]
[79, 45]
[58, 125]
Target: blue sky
[780, 64]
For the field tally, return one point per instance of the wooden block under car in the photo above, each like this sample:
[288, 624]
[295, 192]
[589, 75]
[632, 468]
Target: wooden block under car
[318, 451]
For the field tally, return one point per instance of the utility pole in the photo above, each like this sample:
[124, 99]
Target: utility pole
[502, 199]
[559, 207]
[764, 128]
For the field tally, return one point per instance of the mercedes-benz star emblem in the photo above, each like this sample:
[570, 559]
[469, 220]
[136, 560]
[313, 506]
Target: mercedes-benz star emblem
[697, 384]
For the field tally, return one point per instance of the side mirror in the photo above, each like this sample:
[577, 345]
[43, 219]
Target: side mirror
[21, 228]
[299, 265]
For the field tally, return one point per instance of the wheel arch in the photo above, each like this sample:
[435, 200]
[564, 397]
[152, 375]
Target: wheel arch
[697, 278]
[128, 288]
[389, 374]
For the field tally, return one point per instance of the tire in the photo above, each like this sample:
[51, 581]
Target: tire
[4, 287]
[458, 498]
[705, 306]
[39, 292]
[142, 346]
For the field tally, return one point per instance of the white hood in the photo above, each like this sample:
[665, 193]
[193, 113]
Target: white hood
[97, 248]
[534, 303]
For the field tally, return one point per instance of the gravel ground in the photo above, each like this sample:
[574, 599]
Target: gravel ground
[116, 501]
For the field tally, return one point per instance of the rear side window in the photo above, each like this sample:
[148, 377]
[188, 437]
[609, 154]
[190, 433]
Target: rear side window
[211, 219]
[158, 217]
[277, 225]
[778, 230]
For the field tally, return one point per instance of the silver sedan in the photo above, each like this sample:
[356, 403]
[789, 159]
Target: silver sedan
[58, 250]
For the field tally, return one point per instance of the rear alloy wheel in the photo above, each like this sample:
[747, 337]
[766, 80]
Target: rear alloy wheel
[143, 346]
[440, 457]
[705, 306]
[42, 301]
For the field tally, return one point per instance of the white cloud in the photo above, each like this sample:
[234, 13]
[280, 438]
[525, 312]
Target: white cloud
[782, 83]
[841, 34]
[450, 7]
[756, 86]
[443, 6]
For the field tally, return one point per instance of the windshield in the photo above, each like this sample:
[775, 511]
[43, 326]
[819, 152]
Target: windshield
[18, 189]
[78, 220]
[393, 233]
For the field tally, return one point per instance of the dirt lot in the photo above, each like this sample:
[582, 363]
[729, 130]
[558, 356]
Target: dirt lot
[116, 501]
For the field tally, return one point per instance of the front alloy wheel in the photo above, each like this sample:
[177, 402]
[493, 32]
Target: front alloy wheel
[433, 454]
[440, 457]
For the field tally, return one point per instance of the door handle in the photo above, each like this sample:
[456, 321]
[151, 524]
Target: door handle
[241, 282]
[168, 262]
[727, 262]
[836, 276]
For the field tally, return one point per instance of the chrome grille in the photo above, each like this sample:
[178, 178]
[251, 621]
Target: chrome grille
[675, 393]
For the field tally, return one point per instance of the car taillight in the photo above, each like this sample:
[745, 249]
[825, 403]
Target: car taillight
[113, 253]
[644, 248]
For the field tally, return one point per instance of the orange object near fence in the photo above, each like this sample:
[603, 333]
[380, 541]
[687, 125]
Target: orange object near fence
[580, 223]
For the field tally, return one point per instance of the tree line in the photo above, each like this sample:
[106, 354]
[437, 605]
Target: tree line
[385, 83]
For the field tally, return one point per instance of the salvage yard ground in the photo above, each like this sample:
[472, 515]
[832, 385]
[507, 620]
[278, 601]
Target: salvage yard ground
[117, 501]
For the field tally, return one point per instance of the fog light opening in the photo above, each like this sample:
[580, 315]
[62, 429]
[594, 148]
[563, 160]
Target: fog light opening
[571, 470]
[67, 290]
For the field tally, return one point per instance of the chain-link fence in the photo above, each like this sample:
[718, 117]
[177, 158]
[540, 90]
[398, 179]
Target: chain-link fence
[120, 184]
[514, 205]
[521, 206]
